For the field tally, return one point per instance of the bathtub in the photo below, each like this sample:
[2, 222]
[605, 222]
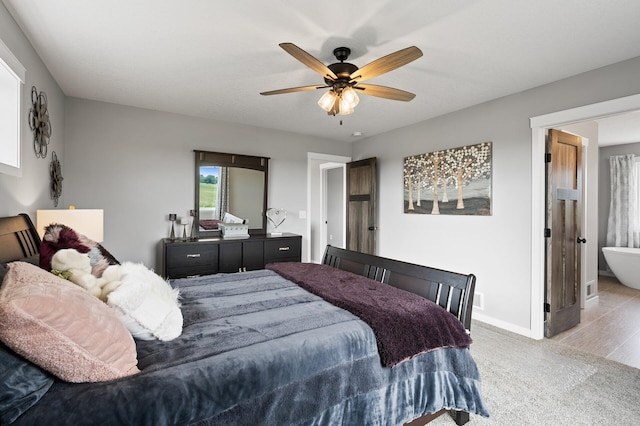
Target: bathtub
[625, 264]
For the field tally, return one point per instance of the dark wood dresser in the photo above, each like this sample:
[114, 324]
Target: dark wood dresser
[213, 255]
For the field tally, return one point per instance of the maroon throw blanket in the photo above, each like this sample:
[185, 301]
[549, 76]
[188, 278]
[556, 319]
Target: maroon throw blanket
[209, 224]
[405, 324]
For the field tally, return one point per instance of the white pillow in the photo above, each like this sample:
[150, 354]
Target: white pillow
[147, 305]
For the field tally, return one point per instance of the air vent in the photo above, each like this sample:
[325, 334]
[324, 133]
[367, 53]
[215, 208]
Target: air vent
[478, 301]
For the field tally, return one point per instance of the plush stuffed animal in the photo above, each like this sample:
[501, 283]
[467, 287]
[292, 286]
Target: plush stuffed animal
[79, 266]
[111, 279]
[147, 304]
[76, 267]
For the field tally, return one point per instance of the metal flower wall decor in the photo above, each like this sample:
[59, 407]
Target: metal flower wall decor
[39, 122]
[55, 172]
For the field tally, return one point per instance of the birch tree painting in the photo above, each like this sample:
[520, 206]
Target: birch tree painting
[431, 179]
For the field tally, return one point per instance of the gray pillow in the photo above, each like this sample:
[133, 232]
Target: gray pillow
[22, 384]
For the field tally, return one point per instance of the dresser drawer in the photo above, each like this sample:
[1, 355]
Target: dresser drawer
[191, 271]
[189, 259]
[282, 250]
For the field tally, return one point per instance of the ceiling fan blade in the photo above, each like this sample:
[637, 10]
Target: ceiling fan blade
[308, 60]
[384, 92]
[386, 63]
[292, 89]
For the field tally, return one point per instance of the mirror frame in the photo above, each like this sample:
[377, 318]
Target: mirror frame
[208, 158]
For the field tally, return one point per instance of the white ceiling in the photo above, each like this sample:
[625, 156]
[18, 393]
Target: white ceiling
[212, 58]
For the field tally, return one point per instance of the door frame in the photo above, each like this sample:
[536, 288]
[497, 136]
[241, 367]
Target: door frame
[314, 162]
[538, 125]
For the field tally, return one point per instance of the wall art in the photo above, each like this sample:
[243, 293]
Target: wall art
[39, 122]
[454, 181]
[55, 177]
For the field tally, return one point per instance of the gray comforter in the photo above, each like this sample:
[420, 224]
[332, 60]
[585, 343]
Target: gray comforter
[258, 349]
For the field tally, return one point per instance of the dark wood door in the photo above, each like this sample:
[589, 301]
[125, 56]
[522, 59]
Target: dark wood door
[564, 217]
[361, 205]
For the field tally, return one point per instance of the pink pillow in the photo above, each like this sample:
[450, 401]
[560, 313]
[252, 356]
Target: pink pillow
[62, 328]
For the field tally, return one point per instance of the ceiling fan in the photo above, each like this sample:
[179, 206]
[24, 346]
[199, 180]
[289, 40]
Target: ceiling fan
[344, 80]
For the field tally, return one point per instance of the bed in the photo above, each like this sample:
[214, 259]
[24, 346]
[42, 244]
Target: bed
[258, 347]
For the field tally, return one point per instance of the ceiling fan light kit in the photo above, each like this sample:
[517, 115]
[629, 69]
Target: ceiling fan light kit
[343, 79]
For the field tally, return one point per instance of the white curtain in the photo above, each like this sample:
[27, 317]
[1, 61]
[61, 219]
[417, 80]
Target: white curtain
[623, 228]
[223, 193]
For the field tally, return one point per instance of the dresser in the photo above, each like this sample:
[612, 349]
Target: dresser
[213, 255]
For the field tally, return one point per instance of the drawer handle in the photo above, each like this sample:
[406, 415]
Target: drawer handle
[193, 255]
[192, 276]
[283, 248]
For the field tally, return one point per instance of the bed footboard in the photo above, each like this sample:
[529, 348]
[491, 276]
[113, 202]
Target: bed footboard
[451, 290]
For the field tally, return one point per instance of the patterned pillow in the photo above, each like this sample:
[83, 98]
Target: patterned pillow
[62, 328]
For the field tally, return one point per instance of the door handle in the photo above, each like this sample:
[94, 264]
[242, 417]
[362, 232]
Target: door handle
[372, 228]
[581, 240]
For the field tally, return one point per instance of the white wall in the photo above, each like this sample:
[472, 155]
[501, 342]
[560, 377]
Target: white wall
[496, 248]
[30, 192]
[335, 205]
[137, 165]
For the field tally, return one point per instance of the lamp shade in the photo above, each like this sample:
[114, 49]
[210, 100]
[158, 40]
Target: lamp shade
[327, 100]
[350, 97]
[89, 222]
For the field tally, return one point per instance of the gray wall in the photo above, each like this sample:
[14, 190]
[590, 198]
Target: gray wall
[30, 192]
[496, 248]
[137, 165]
[605, 192]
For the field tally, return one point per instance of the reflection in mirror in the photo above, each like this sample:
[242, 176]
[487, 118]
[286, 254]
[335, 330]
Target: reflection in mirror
[232, 190]
[231, 185]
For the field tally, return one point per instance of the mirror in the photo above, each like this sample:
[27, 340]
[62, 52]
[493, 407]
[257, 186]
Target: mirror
[231, 184]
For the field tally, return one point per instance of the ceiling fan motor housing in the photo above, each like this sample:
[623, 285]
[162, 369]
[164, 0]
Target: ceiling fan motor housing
[341, 69]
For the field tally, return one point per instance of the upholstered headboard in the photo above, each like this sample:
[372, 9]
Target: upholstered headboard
[18, 238]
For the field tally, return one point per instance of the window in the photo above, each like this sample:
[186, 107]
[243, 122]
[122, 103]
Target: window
[12, 75]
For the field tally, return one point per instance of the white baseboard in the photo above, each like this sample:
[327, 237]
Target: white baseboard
[592, 301]
[502, 324]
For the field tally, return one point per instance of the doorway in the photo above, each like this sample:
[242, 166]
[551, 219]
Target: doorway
[563, 231]
[333, 206]
[539, 125]
[316, 200]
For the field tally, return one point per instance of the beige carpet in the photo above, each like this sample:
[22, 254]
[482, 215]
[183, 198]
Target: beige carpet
[530, 382]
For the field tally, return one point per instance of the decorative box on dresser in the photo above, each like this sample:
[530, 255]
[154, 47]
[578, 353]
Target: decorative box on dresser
[213, 255]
